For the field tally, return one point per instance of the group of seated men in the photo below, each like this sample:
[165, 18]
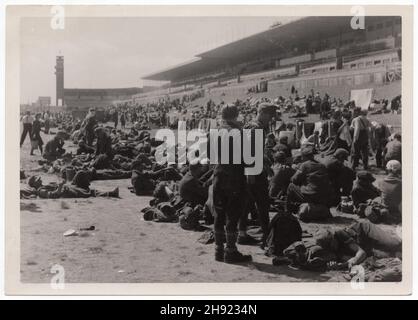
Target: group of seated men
[224, 189]
[293, 180]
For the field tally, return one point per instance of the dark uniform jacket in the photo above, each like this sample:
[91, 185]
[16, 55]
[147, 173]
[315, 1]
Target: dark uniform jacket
[36, 130]
[339, 175]
[363, 191]
[280, 180]
[313, 178]
[234, 171]
[266, 162]
[54, 147]
[192, 190]
[104, 146]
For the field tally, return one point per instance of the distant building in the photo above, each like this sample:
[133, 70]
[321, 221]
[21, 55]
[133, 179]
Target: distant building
[83, 98]
[43, 101]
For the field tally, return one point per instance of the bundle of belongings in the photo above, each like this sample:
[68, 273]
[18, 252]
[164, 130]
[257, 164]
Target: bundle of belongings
[187, 206]
[175, 211]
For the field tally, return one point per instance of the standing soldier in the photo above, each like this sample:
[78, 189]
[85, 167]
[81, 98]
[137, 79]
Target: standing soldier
[258, 184]
[229, 191]
[36, 134]
[27, 120]
[88, 126]
[360, 146]
[47, 123]
[380, 135]
[122, 120]
[115, 118]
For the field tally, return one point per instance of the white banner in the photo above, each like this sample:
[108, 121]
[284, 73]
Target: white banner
[362, 97]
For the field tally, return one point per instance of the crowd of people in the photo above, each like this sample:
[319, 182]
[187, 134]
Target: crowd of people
[305, 174]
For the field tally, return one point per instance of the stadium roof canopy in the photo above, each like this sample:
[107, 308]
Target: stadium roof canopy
[103, 91]
[278, 40]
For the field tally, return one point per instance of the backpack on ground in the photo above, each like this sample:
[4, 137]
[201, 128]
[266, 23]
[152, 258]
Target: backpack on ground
[284, 229]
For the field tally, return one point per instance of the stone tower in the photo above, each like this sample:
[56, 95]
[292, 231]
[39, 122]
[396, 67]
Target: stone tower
[59, 73]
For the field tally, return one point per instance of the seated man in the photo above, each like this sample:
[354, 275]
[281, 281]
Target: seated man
[104, 143]
[393, 149]
[143, 182]
[341, 176]
[391, 187]
[359, 241]
[310, 184]
[54, 147]
[284, 147]
[363, 189]
[282, 174]
[191, 189]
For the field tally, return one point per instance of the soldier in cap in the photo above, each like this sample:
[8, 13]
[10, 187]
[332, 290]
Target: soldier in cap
[228, 194]
[310, 184]
[363, 188]
[258, 184]
[54, 147]
[341, 176]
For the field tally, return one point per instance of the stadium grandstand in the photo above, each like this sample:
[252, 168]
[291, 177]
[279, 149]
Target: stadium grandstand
[86, 98]
[308, 52]
[322, 52]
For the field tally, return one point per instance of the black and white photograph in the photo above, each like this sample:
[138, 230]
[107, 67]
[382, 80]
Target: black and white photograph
[198, 147]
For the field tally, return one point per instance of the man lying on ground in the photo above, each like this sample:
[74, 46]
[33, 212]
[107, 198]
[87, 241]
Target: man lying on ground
[79, 188]
[357, 242]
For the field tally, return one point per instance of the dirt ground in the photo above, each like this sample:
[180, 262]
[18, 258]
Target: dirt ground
[125, 248]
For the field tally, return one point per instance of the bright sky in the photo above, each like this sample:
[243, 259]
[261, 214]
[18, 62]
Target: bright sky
[116, 52]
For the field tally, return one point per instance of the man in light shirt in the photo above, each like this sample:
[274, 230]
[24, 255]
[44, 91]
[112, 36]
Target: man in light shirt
[27, 121]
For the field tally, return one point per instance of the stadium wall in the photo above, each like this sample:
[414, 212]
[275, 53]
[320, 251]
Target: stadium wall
[337, 83]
